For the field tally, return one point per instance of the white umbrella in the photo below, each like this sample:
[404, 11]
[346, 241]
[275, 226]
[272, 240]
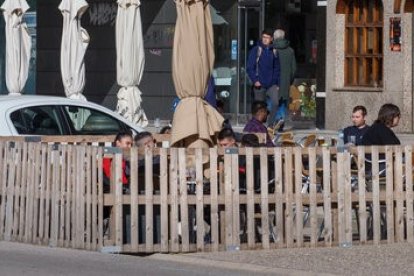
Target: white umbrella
[75, 40]
[18, 44]
[130, 61]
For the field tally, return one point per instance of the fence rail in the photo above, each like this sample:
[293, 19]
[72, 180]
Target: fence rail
[182, 200]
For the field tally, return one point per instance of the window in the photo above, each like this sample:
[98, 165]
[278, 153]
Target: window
[86, 121]
[38, 120]
[363, 42]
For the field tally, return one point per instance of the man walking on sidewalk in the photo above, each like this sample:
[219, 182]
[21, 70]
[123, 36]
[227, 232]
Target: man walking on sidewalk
[263, 68]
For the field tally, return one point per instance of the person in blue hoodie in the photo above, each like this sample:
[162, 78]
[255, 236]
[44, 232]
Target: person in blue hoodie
[263, 69]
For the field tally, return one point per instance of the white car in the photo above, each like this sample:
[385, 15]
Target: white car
[45, 115]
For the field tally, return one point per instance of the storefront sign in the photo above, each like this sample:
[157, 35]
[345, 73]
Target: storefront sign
[395, 34]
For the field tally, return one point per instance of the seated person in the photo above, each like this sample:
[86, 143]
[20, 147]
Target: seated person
[122, 140]
[227, 138]
[146, 140]
[380, 133]
[359, 127]
[256, 124]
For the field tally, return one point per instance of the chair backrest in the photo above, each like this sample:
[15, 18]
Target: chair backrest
[309, 141]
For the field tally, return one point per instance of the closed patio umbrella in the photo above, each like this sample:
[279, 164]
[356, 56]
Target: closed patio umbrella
[195, 121]
[75, 41]
[130, 61]
[18, 44]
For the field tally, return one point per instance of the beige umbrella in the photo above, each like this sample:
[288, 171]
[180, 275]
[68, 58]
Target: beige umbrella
[130, 61]
[18, 44]
[195, 121]
[75, 41]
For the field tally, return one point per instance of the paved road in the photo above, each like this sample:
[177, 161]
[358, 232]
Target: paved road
[18, 259]
[396, 259]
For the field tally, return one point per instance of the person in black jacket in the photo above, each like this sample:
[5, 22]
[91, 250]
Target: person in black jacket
[380, 133]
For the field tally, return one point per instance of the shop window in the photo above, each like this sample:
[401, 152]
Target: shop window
[363, 42]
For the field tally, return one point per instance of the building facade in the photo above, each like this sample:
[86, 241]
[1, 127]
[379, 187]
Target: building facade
[237, 27]
[369, 59]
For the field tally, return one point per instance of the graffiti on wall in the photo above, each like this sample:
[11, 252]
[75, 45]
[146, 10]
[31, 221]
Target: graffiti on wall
[101, 14]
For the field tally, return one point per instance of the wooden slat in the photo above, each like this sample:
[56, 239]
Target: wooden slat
[73, 216]
[17, 188]
[279, 197]
[80, 183]
[48, 195]
[264, 197]
[289, 197]
[174, 200]
[23, 189]
[390, 194]
[3, 188]
[164, 198]
[54, 223]
[312, 191]
[69, 202]
[375, 194]
[36, 188]
[236, 201]
[347, 198]
[200, 203]
[149, 194]
[183, 200]
[298, 197]
[409, 193]
[30, 195]
[341, 199]
[88, 213]
[250, 198]
[327, 232]
[62, 195]
[228, 201]
[362, 211]
[100, 198]
[9, 198]
[94, 234]
[134, 199]
[118, 212]
[42, 200]
[399, 198]
[214, 201]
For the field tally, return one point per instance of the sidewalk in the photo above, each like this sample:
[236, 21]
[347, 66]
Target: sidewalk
[395, 259]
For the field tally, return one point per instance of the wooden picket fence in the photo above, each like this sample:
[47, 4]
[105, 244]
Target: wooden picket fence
[204, 200]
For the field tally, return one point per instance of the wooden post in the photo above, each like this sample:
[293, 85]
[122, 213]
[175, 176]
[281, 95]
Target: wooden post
[341, 199]
[235, 197]
[279, 197]
[327, 231]
[23, 190]
[228, 201]
[409, 193]
[298, 197]
[149, 201]
[389, 193]
[250, 198]
[399, 212]
[312, 196]
[264, 197]
[183, 200]
[362, 211]
[289, 197]
[164, 198]
[174, 200]
[199, 198]
[214, 200]
[375, 195]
